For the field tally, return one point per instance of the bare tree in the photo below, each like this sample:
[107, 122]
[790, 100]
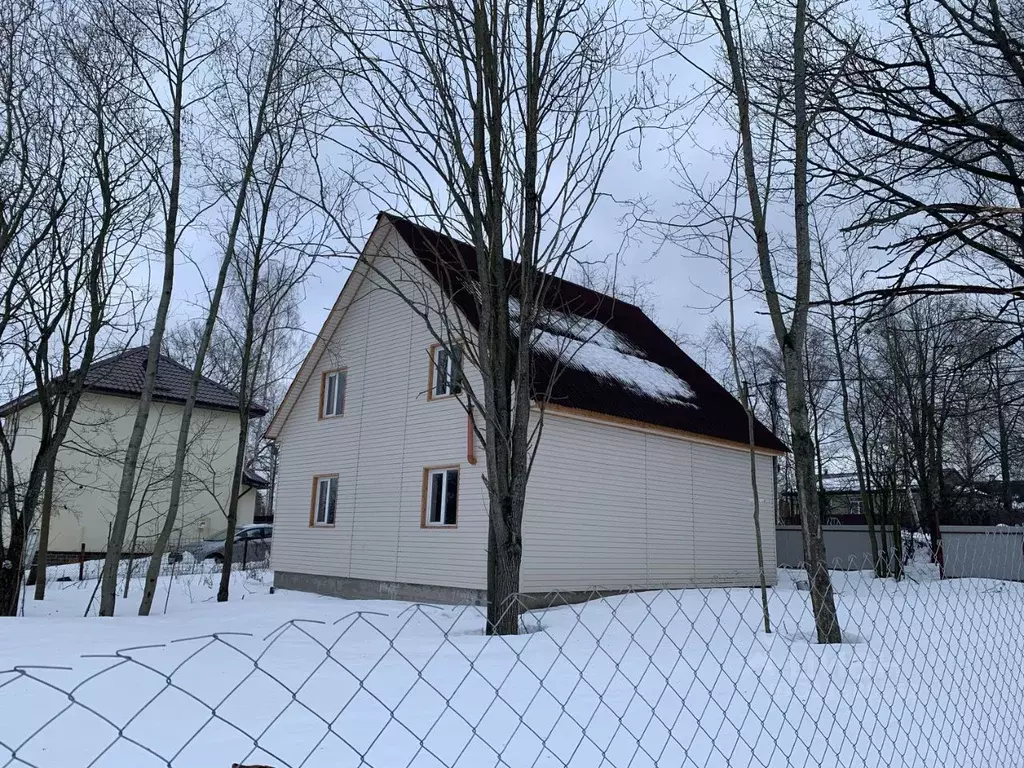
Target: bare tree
[728, 239]
[498, 121]
[927, 134]
[267, 86]
[176, 38]
[65, 255]
[860, 458]
[273, 277]
[765, 88]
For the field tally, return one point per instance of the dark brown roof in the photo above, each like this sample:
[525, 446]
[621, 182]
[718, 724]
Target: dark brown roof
[254, 479]
[709, 409]
[123, 375]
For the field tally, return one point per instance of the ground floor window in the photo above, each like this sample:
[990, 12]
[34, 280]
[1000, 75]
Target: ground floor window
[325, 500]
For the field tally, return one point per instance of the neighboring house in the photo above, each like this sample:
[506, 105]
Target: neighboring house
[251, 504]
[841, 502]
[89, 462]
[993, 493]
[641, 480]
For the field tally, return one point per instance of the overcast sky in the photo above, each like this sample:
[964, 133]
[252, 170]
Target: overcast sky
[685, 291]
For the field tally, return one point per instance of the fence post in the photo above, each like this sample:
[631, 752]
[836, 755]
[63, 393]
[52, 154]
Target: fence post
[81, 563]
[245, 553]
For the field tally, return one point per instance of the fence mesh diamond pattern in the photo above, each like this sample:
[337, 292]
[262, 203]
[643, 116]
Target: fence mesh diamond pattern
[930, 673]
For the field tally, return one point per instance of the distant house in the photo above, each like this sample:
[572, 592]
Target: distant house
[88, 470]
[641, 479]
[841, 502]
[839, 498]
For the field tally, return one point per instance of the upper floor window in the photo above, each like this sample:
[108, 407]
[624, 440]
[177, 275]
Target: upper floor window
[441, 500]
[332, 393]
[445, 371]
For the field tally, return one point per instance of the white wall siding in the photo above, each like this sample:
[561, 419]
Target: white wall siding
[613, 507]
[389, 433]
[585, 522]
[724, 537]
[671, 548]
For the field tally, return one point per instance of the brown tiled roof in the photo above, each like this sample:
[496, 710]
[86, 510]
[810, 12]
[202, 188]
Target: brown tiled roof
[123, 375]
[711, 411]
[254, 479]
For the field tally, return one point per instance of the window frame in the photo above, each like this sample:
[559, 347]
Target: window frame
[428, 473]
[314, 501]
[341, 374]
[433, 351]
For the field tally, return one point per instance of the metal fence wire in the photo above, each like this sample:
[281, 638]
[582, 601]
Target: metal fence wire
[929, 673]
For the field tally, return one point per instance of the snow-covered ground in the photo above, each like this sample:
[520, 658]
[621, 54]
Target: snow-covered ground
[931, 674]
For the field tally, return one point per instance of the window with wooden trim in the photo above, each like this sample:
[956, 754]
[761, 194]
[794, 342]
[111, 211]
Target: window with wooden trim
[325, 500]
[445, 370]
[332, 393]
[441, 502]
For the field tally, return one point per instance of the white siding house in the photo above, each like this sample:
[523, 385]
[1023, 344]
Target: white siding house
[613, 503]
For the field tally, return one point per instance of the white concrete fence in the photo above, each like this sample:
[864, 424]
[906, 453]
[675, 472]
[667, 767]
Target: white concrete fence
[982, 552]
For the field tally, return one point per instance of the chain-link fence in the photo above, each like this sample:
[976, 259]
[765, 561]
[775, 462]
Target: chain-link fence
[929, 674]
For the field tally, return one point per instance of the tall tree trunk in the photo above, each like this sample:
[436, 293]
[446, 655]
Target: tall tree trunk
[11, 573]
[184, 428]
[44, 531]
[125, 494]
[791, 339]
[757, 510]
[108, 586]
[177, 74]
[744, 391]
[826, 620]
[267, 87]
[245, 396]
[223, 591]
[504, 559]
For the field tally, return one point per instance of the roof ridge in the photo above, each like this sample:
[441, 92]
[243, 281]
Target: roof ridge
[600, 294]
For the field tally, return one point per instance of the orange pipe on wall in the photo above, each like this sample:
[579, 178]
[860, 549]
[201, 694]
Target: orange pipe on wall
[470, 449]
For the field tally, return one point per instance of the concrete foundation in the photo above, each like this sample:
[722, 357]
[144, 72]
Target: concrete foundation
[365, 589]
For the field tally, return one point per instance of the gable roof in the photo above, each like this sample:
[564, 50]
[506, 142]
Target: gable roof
[622, 366]
[596, 353]
[123, 375]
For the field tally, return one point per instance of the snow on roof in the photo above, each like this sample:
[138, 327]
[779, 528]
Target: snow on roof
[588, 345]
[840, 483]
[649, 379]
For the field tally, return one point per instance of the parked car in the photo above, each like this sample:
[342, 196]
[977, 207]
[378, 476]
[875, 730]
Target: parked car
[252, 543]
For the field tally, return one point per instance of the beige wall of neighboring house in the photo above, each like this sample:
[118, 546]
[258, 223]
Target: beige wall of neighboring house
[609, 505]
[88, 472]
